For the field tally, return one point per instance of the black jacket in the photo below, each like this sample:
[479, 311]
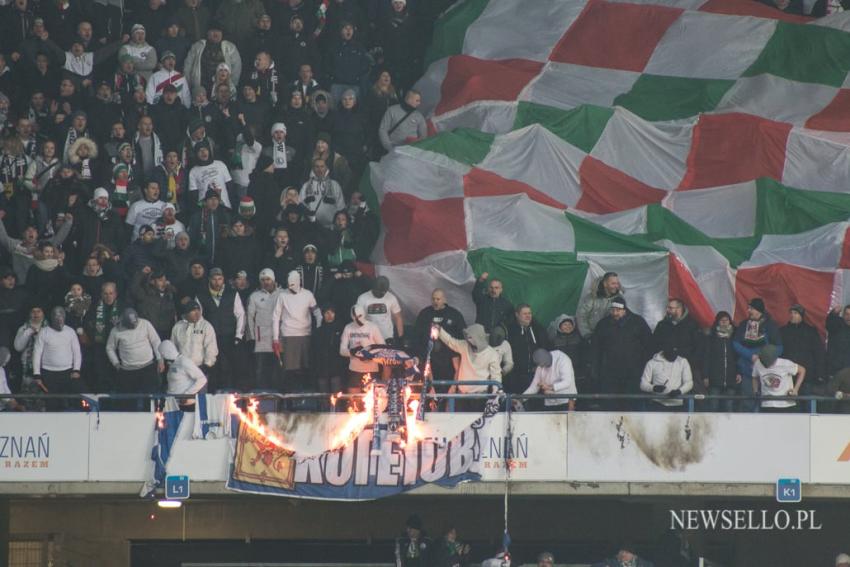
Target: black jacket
[524, 341]
[802, 344]
[240, 253]
[327, 363]
[719, 360]
[92, 229]
[620, 351]
[838, 351]
[170, 121]
[684, 334]
[448, 318]
[490, 312]
[158, 308]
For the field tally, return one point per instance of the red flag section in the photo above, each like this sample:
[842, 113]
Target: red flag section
[681, 284]
[415, 228]
[609, 190]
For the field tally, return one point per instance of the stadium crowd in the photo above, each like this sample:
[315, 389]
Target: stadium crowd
[184, 195]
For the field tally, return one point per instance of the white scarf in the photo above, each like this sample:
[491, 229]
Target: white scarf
[279, 154]
[82, 65]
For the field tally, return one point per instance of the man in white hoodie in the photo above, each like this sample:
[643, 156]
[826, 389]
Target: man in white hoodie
[478, 361]
[670, 374]
[167, 76]
[358, 334]
[260, 329]
[195, 337]
[184, 376]
[292, 325]
[133, 349]
[322, 196]
[553, 375]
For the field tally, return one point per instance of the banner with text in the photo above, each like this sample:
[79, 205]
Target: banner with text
[40, 447]
[360, 469]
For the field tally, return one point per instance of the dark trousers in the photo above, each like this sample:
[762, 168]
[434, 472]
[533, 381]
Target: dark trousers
[102, 375]
[222, 374]
[58, 382]
[144, 380]
[267, 371]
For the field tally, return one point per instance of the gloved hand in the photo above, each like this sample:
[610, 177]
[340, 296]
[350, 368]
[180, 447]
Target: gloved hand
[276, 348]
[658, 389]
[674, 393]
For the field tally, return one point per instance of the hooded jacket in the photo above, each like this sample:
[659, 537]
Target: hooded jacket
[260, 319]
[569, 344]
[196, 341]
[478, 360]
[719, 359]
[559, 376]
[594, 307]
[674, 375]
[620, 349]
[323, 199]
[100, 227]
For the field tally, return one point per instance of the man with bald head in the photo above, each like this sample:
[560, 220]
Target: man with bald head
[442, 314]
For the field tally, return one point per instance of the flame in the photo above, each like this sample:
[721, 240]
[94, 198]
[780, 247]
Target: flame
[411, 406]
[357, 420]
[435, 332]
[251, 418]
[160, 420]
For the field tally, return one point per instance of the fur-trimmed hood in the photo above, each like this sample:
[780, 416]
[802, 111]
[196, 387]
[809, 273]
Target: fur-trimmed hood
[80, 142]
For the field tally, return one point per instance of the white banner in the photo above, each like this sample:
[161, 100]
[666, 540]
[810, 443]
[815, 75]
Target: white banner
[677, 447]
[830, 449]
[41, 447]
[121, 446]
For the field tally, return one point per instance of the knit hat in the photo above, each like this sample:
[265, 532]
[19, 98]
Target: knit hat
[216, 272]
[278, 126]
[166, 54]
[195, 124]
[222, 66]
[247, 206]
[101, 192]
[241, 274]
[841, 559]
[618, 301]
[401, 2]
[414, 521]
[125, 58]
[758, 304]
[799, 309]
[211, 194]
[79, 114]
[122, 146]
[325, 137]
[267, 273]
[768, 355]
[136, 27]
[309, 247]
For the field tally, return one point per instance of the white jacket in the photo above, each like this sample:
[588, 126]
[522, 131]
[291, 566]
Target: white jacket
[364, 336]
[132, 349]
[507, 356]
[482, 365]
[184, 377]
[260, 326]
[163, 77]
[192, 65]
[323, 199]
[559, 377]
[196, 341]
[674, 375]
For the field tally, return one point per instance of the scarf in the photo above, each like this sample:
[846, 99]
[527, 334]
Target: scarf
[279, 154]
[26, 355]
[105, 317]
[47, 264]
[754, 333]
[12, 170]
[82, 65]
[724, 331]
[102, 213]
[173, 185]
[77, 306]
[85, 169]
[216, 295]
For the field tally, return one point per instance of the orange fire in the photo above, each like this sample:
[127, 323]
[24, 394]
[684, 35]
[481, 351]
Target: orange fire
[160, 420]
[251, 418]
[357, 420]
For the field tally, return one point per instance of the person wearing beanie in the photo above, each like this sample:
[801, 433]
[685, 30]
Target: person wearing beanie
[153, 296]
[621, 347]
[98, 223]
[192, 281]
[167, 227]
[206, 55]
[349, 130]
[414, 548]
[209, 176]
[258, 330]
[564, 336]
[168, 76]
[142, 53]
[802, 345]
[173, 180]
[668, 374]
[281, 155]
[775, 377]
[842, 560]
[756, 331]
[195, 337]
[223, 308]
[293, 110]
[338, 167]
[349, 63]
[141, 252]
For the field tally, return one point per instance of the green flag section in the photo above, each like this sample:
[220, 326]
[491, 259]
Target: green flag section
[783, 210]
[551, 282]
[450, 30]
[581, 126]
[805, 53]
[654, 97]
[464, 145]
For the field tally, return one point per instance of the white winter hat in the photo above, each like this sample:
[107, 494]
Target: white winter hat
[168, 350]
[842, 559]
[278, 127]
[267, 273]
[101, 192]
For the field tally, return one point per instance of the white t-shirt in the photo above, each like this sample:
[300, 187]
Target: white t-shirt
[214, 176]
[778, 380]
[292, 311]
[142, 213]
[356, 336]
[380, 311]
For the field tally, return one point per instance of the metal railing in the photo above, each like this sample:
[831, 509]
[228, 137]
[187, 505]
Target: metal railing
[690, 402]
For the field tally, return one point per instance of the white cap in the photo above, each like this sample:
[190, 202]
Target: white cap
[168, 350]
[842, 559]
[101, 192]
[278, 126]
[267, 273]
